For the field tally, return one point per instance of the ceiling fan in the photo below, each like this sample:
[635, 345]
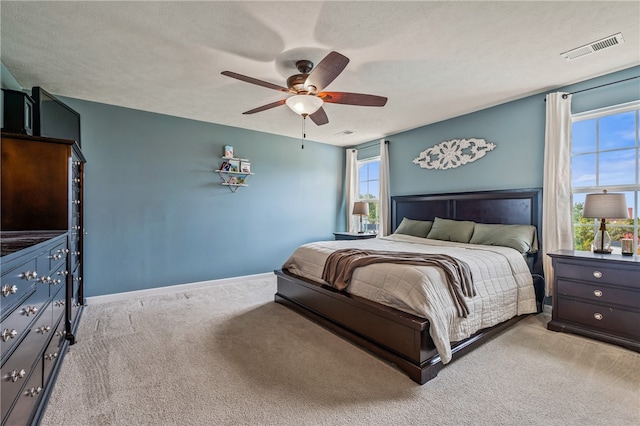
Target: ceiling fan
[307, 88]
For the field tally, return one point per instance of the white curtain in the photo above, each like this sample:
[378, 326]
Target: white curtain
[557, 223]
[351, 183]
[385, 200]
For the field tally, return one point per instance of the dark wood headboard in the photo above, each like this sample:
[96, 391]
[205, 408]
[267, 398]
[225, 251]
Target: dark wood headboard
[512, 206]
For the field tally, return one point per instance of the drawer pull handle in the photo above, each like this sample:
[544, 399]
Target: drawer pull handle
[58, 303]
[597, 274]
[43, 329]
[33, 392]
[27, 275]
[7, 290]
[598, 316]
[597, 293]
[30, 310]
[8, 334]
[51, 356]
[15, 375]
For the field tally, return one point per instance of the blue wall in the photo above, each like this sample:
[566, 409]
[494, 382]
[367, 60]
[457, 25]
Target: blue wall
[517, 128]
[156, 214]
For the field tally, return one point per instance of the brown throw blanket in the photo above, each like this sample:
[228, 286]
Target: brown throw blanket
[340, 265]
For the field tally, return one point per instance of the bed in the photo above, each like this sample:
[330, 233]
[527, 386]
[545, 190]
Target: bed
[410, 337]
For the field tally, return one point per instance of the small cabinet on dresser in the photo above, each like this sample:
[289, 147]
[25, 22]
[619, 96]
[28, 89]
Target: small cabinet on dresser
[597, 296]
[41, 290]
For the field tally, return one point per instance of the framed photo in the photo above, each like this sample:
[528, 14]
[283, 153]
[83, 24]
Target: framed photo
[234, 165]
[228, 151]
[245, 167]
[233, 180]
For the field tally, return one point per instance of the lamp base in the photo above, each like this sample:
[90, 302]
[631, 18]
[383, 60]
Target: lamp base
[598, 251]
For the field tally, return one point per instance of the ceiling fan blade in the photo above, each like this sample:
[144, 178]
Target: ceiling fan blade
[319, 117]
[266, 107]
[326, 71]
[254, 81]
[347, 98]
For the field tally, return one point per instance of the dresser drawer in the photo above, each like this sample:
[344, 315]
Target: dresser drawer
[611, 320]
[595, 273]
[27, 400]
[14, 327]
[14, 373]
[15, 284]
[599, 293]
[58, 254]
[58, 279]
[52, 352]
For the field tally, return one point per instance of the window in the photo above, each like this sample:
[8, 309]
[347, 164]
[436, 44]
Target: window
[369, 189]
[605, 155]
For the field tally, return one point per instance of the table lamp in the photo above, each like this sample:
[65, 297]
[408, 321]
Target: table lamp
[604, 206]
[361, 208]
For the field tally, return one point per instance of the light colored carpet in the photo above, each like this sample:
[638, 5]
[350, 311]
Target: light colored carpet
[228, 355]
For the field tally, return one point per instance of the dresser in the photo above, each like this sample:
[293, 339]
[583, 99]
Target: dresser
[598, 296]
[41, 281]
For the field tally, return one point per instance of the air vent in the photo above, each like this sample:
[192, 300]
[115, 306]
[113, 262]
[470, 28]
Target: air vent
[590, 48]
[344, 133]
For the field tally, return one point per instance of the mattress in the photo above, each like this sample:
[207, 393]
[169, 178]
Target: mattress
[501, 277]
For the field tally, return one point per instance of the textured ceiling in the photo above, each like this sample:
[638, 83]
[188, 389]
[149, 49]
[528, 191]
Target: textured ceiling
[433, 60]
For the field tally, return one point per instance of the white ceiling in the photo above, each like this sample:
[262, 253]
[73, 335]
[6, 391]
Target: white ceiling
[433, 60]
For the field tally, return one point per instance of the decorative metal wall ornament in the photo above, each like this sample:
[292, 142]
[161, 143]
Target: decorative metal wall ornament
[453, 153]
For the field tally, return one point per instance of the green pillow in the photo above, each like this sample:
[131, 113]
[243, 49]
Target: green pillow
[417, 228]
[451, 230]
[523, 238]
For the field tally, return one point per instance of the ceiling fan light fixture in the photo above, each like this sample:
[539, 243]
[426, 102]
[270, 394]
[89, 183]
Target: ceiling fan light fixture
[304, 104]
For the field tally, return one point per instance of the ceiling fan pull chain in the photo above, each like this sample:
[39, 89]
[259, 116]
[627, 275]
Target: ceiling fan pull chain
[304, 134]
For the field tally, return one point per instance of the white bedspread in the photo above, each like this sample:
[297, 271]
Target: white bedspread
[500, 275]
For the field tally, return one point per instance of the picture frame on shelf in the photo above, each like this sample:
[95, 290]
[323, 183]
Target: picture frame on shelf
[245, 167]
[233, 180]
[228, 151]
[234, 165]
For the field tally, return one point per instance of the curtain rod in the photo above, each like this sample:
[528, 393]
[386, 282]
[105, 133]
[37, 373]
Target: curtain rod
[370, 144]
[597, 87]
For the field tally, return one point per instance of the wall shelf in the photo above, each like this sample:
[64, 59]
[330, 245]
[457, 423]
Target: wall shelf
[234, 172]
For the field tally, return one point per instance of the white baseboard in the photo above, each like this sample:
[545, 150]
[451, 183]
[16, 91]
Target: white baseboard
[127, 295]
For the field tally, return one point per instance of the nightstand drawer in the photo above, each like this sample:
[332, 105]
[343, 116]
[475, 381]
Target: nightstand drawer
[607, 319]
[598, 293]
[596, 273]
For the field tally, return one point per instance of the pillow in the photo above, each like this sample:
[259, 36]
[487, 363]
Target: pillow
[523, 238]
[451, 230]
[417, 228]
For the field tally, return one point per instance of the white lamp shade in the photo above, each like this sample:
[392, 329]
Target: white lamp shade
[304, 104]
[605, 206]
[361, 208]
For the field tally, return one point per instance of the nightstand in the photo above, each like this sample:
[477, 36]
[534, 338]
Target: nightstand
[598, 296]
[353, 236]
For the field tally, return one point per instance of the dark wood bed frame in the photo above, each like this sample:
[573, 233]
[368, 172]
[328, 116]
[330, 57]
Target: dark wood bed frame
[398, 337]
